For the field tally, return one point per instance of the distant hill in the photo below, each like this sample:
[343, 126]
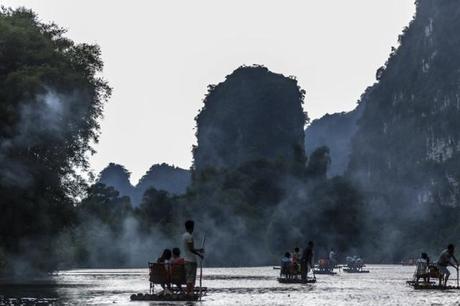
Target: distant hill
[160, 176]
[117, 176]
[164, 177]
[254, 114]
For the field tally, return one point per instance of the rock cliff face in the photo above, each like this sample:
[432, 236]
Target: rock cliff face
[254, 114]
[334, 131]
[407, 145]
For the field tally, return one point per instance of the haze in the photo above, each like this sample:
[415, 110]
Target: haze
[160, 56]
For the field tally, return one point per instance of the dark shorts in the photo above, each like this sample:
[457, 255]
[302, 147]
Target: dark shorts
[190, 272]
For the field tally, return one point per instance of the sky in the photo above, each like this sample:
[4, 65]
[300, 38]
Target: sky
[160, 56]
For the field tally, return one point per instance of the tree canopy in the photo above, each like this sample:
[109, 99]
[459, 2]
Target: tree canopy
[51, 100]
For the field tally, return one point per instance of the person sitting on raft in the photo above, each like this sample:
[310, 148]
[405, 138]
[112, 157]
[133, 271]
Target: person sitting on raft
[286, 265]
[296, 256]
[177, 262]
[165, 259]
[421, 270]
[176, 259]
[445, 260]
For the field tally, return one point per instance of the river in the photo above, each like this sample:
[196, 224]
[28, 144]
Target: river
[384, 285]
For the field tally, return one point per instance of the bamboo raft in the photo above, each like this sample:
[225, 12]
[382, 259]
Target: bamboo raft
[174, 278]
[423, 286]
[284, 280]
[430, 286]
[175, 297]
[348, 270]
[324, 272]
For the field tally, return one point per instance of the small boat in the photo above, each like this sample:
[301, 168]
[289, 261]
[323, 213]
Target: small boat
[349, 270]
[324, 267]
[354, 264]
[284, 280]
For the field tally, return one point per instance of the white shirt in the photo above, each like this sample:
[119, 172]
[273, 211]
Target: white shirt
[422, 266]
[331, 255]
[444, 258]
[188, 255]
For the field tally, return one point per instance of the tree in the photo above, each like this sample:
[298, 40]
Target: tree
[156, 210]
[104, 204]
[319, 163]
[51, 100]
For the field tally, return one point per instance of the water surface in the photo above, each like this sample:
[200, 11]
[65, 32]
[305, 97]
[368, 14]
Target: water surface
[384, 285]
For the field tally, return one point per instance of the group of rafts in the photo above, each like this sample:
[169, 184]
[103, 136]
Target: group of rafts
[291, 272]
[425, 271]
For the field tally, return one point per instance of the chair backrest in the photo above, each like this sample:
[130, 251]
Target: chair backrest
[433, 271]
[323, 263]
[159, 274]
[178, 274]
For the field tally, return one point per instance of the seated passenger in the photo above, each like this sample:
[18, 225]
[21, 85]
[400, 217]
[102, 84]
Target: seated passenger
[296, 255]
[421, 270]
[165, 259]
[323, 264]
[286, 264]
[176, 259]
[359, 263]
[351, 262]
[177, 262]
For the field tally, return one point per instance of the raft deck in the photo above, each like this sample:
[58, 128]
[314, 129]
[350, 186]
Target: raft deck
[284, 280]
[348, 270]
[434, 287]
[174, 297]
[324, 272]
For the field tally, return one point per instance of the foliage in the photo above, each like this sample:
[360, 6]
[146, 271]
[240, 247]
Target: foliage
[156, 209]
[51, 100]
[104, 204]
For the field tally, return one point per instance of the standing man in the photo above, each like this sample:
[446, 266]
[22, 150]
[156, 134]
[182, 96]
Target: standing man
[190, 254]
[306, 261]
[445, 260]
[332, 259]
